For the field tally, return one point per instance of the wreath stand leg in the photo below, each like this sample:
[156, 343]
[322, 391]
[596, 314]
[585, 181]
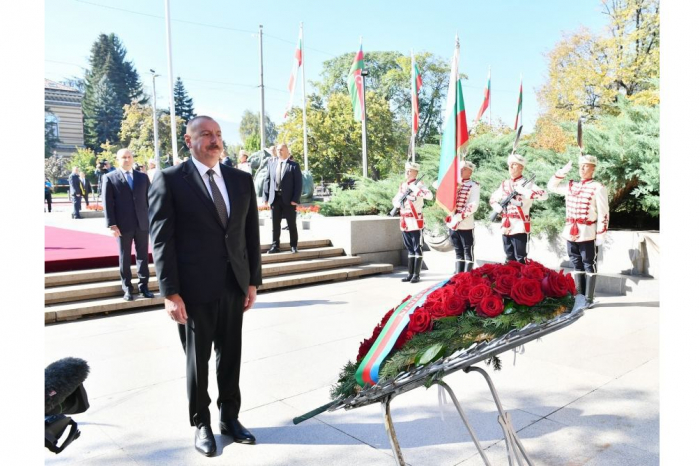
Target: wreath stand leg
[391, 433]
[516, 452]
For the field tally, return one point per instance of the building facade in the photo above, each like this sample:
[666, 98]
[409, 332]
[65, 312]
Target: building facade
[64, 113]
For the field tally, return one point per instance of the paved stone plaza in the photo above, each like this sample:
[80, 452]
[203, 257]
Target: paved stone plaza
[588, 394]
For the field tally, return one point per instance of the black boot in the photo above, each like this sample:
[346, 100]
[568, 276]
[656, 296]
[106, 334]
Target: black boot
[411, 264]
[459, 266]
[580, 280]
[590, 287]
[416, 269]
[468, 266]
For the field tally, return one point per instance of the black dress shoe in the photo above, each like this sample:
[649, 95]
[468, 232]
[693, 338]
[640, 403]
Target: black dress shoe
[147, 294]
[204, 441]
[295, 250]
[273, 250]
[128, 296]
[236, 430]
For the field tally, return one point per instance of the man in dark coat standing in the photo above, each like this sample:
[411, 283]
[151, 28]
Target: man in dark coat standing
[206, 247]
[85, 188]
[282, 191]
[75, 192]
[125, 201]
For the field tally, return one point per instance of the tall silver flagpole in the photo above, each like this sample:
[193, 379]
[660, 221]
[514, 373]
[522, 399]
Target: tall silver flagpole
[490, 98]
[173, 121]
[155, 123]
[364, 120]
[413, 110]
[303, 89]
[262, 95]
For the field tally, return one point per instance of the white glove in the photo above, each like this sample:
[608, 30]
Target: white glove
[599, 240]
[497, 207]
[519, 189]
[564, 170]
[414, 187]
[516, 203]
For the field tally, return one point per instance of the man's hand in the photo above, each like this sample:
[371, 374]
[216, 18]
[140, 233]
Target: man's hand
[265, 204]
[294, 203]
[599, 240]
[250, 299]
[414, 187]
[497, 207]
[115, 231]
[175, 307]
[564, 170]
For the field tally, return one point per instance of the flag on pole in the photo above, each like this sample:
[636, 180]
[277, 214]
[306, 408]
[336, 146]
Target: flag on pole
[519, 115]
[296, 64]
[455, 135]
[416, 84]
[354, 82]
[487, 98]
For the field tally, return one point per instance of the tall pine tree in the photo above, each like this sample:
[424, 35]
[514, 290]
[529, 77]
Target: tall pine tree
[184, 108]
[121, 86]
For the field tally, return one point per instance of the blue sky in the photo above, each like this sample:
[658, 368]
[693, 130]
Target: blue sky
[215, 48]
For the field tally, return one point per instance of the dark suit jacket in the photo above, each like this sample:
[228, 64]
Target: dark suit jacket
[74, 183]
[191, 249]
[87, 187]
[291, 182]
[123, 207]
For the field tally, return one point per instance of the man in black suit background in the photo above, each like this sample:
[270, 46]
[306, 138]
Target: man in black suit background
[206, 247]
[75, 193]
[125, 201]
[282, 191]
[85, 188]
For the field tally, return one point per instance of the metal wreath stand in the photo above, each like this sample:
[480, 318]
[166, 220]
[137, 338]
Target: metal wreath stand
[462, 360]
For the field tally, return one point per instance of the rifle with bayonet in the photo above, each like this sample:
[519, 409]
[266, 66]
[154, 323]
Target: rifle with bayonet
[403, 198]
[504, 203]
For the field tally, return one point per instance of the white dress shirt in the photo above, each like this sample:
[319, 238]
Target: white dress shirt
[218, 178]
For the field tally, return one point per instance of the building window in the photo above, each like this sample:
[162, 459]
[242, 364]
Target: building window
[51, 122]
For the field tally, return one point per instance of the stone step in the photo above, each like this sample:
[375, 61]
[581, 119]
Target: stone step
[75, 310]
[112, 273]
[94, 290]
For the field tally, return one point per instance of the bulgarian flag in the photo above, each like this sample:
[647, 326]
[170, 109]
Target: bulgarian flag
[519, 115]
[354, 81]
[454, 137]
[487, 98]
[296, 64]
[416, 84]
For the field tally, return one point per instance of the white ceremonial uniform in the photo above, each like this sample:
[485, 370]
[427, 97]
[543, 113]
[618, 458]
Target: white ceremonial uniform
[467, 205]
[412, 209]
[587, 211]
[516, 219]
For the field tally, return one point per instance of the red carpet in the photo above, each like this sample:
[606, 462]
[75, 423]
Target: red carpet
[75, 250]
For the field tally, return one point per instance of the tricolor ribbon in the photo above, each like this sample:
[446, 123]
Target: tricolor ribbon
[368, 372]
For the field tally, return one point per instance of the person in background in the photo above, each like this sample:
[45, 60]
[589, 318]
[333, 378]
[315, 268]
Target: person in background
[48, 189]
[85, 188]
[243, 163]
[282, 192]
[461, 222]
[75, 192]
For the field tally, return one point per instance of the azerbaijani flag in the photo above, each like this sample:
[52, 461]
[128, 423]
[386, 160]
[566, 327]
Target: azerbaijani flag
[416, 84]
[355, 86]
[487, 98]
[454, 137]
[296, 64]
[519, 115]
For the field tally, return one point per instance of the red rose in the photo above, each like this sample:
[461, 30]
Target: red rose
[365, 346]
[463, 291]
[572, 284]
[491, 305]
[527, 292]
[504, 283]
[405, 336]
[477, 293]
[386, 318]
[437, 310]
[435, 296]
[515, 264]
[555, 285]
[487, 269]
[454, 306]
[420, 321]
[506, 270]
[461, 279]
[534, 272]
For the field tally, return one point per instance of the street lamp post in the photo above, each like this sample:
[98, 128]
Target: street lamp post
[155, 122]
[364, 73]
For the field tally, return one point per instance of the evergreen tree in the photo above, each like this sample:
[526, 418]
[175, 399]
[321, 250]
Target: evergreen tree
[105, 113]
[108, 61]
[250, 125]
[184, 108]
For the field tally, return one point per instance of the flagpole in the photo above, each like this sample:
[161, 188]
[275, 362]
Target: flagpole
[262, 94]
[490, 99]
[413, 110]
[364, 122]
[303, 90]
[173, 120]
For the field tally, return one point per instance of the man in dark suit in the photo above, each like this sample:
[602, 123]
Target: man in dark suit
[125, 201]
[282, 191]
[75, 193]
[206, 247]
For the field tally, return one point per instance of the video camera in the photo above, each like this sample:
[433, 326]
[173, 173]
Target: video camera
[63, 394]
[102, 166]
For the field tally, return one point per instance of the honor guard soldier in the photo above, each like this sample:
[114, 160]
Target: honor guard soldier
[461, 222]
[515, 223]
[412, 192]
[587, 217]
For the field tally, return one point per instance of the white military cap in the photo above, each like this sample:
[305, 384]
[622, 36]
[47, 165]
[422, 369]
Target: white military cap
[467, 164]
[517, 158]
[592, 159]
[412, 166]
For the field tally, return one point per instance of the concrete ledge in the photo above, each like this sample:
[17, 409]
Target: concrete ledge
[363, 235]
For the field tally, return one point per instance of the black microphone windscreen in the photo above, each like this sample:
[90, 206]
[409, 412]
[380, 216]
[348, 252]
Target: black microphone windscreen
[62, 378]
